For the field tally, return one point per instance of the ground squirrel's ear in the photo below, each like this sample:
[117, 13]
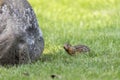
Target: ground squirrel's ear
[67, 45]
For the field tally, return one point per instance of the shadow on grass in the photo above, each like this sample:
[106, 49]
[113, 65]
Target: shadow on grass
[56, 56]
[47, 57]
[62, 55]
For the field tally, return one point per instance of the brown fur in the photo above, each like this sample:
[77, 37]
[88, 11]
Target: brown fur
[71, 50]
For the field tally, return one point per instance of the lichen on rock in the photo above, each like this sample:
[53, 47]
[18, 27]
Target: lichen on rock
[21, 39]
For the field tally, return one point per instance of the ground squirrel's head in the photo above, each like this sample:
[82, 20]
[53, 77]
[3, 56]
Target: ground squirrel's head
[69, 48]
[66, 46]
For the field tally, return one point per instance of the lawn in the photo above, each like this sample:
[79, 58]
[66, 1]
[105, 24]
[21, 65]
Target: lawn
[94, 23]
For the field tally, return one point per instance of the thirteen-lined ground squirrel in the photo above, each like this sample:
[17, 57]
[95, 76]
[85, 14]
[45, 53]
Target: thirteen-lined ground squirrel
[71, 50]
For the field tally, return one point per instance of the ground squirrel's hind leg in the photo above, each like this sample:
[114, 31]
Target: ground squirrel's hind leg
[24, 54]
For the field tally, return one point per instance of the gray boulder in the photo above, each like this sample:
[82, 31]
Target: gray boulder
[21, 39]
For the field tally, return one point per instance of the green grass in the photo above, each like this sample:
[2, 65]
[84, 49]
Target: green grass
[94, 23]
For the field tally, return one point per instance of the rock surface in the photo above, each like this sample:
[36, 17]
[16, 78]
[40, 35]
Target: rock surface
[21, 39]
